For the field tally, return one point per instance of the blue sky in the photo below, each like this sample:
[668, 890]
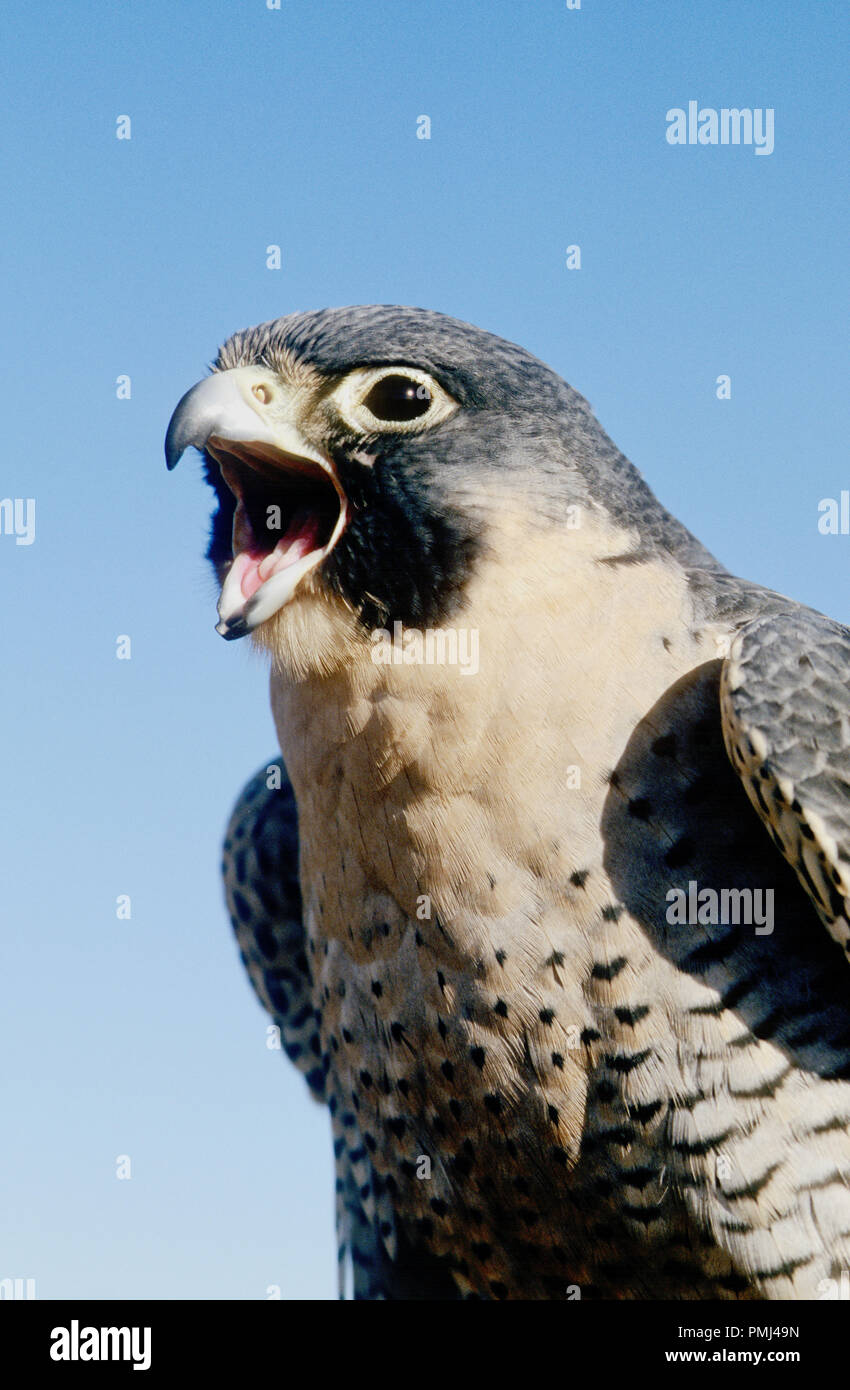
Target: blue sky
[298, 127]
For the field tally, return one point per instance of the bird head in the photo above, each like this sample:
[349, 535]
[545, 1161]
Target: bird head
[364, 458]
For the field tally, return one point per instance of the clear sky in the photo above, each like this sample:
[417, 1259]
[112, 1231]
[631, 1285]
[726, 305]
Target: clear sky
[297, 127]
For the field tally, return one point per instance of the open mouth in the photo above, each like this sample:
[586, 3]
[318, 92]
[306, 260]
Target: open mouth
[290, 512]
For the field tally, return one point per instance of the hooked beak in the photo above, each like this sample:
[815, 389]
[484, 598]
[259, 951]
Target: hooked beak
[290, 506]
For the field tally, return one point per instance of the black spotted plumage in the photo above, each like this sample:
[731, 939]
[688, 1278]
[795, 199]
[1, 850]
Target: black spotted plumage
[540, 1081]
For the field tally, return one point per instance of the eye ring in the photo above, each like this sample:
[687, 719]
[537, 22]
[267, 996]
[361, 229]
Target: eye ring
[395, 399]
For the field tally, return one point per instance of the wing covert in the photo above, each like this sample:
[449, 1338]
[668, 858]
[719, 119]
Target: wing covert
[785, 707]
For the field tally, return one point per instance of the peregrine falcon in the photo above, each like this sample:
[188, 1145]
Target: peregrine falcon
[558, 933]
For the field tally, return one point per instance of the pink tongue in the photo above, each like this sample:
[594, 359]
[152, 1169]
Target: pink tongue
[246, 567]
[287, 551]
[250, 580]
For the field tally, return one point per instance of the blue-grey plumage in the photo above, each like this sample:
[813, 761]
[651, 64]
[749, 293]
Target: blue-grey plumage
[540, 914]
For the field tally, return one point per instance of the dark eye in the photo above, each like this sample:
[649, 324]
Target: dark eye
[398, 398]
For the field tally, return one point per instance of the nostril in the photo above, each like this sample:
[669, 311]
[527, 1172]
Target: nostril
[262, 392]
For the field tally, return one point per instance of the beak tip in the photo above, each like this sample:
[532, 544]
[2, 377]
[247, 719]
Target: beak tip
[190, 423]
[175, 444]
[233, 630]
